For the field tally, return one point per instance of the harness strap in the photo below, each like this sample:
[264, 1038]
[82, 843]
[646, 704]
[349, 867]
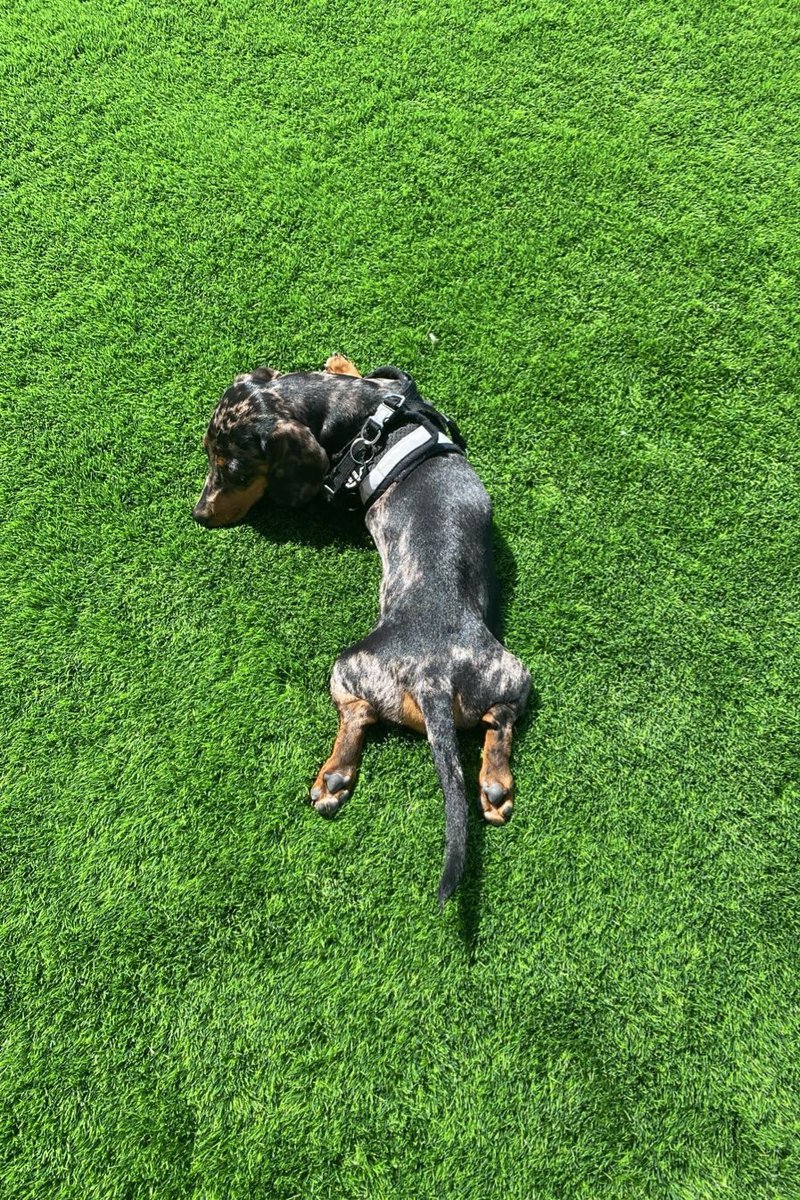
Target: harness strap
[401, 459]
[359, 453]
[367, 466]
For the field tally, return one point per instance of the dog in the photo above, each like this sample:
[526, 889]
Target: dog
[434, 662]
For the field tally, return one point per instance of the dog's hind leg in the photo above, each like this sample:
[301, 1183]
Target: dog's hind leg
[337, 777]
[497, 782]
[494, 693]
[337, 364]
[511, 686]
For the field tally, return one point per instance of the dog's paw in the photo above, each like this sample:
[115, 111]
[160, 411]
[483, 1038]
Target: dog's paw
[337, 364]
[497, 801]
[330, 790]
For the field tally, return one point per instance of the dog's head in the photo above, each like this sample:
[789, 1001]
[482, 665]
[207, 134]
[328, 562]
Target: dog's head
[256, 447]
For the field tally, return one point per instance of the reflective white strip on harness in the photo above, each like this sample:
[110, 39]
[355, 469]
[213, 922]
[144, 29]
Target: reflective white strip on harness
[392, 458]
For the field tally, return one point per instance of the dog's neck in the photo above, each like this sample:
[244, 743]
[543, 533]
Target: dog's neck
[333, 407]
[346, 411]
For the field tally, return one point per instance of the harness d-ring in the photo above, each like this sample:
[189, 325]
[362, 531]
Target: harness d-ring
[368, 448]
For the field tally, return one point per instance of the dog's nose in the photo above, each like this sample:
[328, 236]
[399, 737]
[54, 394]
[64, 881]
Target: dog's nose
[201, 517]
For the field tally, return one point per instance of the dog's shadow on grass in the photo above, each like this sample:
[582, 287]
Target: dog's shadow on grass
[319, 524]
[505, 566]
[469, 895]
[316, 524]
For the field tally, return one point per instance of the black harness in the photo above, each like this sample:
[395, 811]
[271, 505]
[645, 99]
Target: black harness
[402, 432]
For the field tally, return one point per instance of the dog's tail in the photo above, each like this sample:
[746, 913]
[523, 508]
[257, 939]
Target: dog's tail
[441, 730]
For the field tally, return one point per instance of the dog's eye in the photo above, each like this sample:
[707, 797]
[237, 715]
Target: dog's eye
[236, 473]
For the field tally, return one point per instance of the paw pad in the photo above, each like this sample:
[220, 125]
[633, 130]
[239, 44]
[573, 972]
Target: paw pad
[496, 802]
[330, 794]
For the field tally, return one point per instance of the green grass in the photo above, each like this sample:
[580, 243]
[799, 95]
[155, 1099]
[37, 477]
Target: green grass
[208, 991]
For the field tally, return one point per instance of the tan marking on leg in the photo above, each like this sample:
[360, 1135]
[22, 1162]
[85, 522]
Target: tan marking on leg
[337, 364]
[341, 768]
[497, 782]
[411, 714]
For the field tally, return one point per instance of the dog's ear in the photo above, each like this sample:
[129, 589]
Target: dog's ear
[296, 463]
[258, 375]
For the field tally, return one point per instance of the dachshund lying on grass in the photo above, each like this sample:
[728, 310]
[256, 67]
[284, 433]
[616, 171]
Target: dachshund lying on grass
[433, 662]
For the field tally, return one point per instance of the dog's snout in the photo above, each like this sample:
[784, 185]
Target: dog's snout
[201, 516]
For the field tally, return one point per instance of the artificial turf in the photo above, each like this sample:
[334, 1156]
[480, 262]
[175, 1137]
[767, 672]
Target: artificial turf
[577, 224]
